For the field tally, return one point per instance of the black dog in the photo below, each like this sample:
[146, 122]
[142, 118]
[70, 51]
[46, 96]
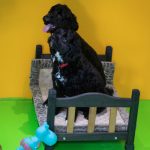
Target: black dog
[76, 66]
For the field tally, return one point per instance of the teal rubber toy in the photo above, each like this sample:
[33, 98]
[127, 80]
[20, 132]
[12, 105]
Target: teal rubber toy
[43, 134]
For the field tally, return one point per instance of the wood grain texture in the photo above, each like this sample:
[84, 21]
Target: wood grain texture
[91, 120]
[112, 119]
[71, 117]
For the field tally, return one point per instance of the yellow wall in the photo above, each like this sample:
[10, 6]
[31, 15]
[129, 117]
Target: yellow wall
[124, 24]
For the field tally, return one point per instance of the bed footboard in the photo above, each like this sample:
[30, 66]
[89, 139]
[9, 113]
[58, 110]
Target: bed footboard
[98, 100]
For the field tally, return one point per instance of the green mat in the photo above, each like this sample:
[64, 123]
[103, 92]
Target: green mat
[18, 120]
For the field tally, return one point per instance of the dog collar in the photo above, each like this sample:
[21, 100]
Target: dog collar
[63, 65]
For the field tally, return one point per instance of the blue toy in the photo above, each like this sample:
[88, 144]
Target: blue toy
[43, 134]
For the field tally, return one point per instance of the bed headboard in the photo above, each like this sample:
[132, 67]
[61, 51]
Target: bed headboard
[105, 57]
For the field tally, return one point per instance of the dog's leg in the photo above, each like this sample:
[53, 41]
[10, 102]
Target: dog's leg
[86, 111]
[100, 109]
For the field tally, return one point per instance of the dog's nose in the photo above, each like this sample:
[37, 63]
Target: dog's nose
[46, 19]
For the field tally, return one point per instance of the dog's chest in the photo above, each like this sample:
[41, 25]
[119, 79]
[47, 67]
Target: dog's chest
[58, 38]
[58, 69]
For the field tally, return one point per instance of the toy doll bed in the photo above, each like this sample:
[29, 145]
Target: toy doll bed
[112, 124]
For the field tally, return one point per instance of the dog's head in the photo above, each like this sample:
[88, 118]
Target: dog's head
[66, 43]
[60, 16]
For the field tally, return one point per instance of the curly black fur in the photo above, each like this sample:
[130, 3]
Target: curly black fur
[83, 71]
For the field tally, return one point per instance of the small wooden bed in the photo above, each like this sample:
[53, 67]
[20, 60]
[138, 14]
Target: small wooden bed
[91, 132]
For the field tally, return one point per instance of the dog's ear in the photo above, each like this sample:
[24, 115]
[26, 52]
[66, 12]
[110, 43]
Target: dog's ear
[69, 18]
[74, 23]
[70, 36]
[72, 39]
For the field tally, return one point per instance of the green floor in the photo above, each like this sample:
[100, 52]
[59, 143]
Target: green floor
[18, 120]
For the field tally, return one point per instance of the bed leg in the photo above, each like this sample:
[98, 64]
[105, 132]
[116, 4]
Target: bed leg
[38, 53]
[49, 147]
[129, 147]
[51, 113]
[132, 120]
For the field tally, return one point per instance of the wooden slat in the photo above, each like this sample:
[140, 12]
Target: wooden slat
[112, 119]
[92, 117]
[71, 117]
